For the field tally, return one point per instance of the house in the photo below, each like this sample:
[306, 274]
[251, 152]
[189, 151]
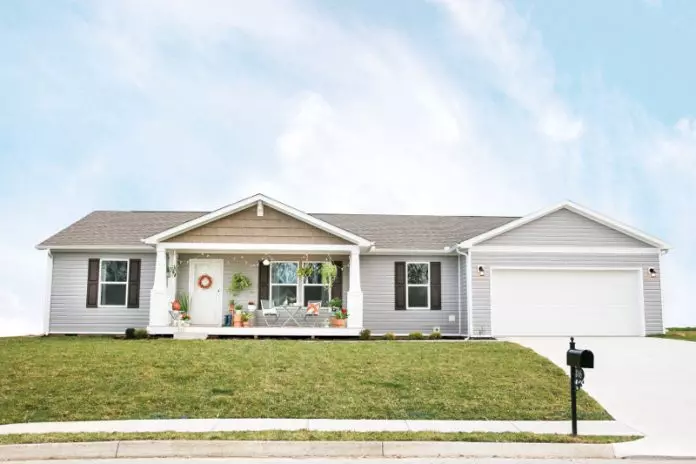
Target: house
[565, 270]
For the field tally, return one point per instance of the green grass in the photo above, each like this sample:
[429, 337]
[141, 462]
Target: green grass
[75, 378]
[680, 333]
[304, 435]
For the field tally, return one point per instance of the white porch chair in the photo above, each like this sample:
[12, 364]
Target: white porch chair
[267, 311]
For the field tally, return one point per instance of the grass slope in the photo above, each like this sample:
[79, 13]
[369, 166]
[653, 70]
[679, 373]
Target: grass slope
[680, 333]
[66, 378]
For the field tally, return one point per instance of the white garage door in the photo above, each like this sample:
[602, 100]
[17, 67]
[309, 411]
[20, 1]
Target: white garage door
[566, 302]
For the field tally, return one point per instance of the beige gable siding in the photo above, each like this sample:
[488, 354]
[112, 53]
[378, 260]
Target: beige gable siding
[246, 227]
[564, 228]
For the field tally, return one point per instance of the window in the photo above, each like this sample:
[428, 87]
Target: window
[283, 282]
[313, 289]
[417, 285]
[113, 282]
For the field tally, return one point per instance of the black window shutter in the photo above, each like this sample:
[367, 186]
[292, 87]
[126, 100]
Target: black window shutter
[435, 286]
[400, 286]
[337, 289]
[134, 283]
[93, 283]
[264, 280]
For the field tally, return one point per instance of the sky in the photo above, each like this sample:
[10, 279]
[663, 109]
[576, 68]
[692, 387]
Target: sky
[398, 106]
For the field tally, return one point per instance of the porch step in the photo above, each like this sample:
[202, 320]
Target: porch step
[190, 336]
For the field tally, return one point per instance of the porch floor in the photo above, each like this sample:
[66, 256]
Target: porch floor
[261, 331]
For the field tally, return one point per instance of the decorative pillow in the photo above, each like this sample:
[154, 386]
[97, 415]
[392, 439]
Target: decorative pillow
[313, 308]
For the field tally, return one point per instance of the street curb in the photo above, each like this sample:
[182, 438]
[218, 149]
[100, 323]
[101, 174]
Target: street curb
[299, 449]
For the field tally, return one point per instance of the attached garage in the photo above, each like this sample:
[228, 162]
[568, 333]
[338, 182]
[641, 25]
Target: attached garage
[555, 302]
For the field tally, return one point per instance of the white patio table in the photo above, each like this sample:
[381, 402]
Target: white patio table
[293, 311]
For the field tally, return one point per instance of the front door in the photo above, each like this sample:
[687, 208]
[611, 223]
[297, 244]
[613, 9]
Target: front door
[206, 291]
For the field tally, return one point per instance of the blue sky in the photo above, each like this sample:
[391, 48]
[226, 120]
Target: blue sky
[443, 106]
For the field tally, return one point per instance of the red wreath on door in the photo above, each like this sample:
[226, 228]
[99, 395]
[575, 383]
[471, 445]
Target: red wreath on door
[205, 281]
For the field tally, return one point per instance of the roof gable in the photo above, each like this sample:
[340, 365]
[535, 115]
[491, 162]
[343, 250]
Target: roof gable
[248, 226]
[606, 231]
[257, 199]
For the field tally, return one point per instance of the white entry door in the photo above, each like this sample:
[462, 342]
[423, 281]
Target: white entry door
[555, 302]
[206, 303]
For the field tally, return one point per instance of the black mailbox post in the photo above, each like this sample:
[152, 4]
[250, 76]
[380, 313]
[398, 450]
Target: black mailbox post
[577, 360]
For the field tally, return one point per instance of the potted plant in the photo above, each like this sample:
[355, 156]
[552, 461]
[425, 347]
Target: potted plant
[252, 305]
[238, 284]
[335, 303]
[339, 318]
[182, 302]
[246, 319]
[305, 271]
[329, 271]
[238, 315]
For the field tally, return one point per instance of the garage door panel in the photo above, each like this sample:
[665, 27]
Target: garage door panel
[566, 302]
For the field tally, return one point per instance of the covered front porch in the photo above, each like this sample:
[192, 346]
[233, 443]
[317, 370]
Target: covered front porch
[282, 291]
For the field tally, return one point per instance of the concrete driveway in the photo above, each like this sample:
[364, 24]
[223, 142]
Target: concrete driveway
[648, 384]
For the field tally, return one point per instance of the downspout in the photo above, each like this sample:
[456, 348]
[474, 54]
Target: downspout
[469, 299]
[459, 293]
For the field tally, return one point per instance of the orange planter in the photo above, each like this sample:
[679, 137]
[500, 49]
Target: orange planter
[338, 322]
[237, 319]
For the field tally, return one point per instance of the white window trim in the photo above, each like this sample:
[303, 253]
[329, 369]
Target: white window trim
[408, 305]
[304, 284]
[99, 291]
[271, 284]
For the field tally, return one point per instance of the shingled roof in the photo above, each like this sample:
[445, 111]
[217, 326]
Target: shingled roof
[128, 228]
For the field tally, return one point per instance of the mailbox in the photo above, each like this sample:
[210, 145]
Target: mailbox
[580, 358]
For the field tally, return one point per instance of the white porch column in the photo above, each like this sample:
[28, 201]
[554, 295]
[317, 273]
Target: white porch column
[172, 277]
[159, 306]
[355, 295]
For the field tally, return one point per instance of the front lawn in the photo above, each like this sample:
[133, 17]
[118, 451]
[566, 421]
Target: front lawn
[73, 378]
[680, 333]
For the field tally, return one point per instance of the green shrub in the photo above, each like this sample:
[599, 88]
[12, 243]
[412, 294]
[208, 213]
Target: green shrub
[365, 334]
[415, 336]
[130, 333]
[141, 333]
[389, 336]
[435, 336]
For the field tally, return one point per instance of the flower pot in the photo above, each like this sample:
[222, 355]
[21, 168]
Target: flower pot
[237, 319]
[251, 307]
[246, 324]
[338, 322]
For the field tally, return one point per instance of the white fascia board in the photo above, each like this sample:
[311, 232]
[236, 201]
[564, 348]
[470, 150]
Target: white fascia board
[135, 248]
[253, 200]
[569, 205]
[566, 249]
[403, 251]
[257, 247]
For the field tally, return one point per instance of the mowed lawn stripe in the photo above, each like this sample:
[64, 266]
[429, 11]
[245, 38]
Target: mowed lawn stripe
[83, 378]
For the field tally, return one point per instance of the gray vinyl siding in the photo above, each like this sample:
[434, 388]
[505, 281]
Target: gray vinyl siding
[481, 296]
[69, 312]
[248, 265]
[564, 228]
[377, 282]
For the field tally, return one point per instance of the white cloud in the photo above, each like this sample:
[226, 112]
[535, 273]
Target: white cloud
[224, 99]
